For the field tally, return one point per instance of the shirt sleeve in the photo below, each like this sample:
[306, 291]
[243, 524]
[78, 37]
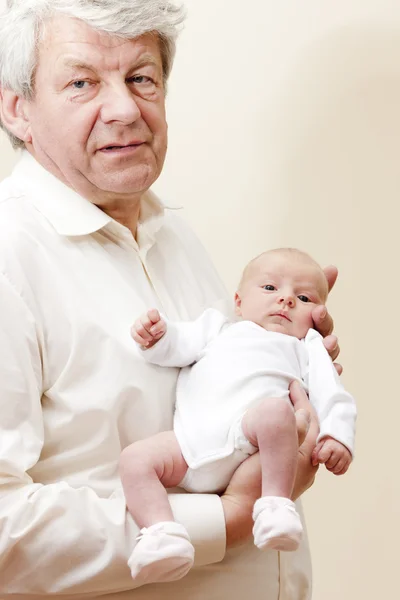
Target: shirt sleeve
[183, 341]
[335, 407]
[56, 539]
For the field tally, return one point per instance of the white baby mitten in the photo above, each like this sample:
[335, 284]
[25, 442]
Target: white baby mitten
[277, 524]
[163, 553]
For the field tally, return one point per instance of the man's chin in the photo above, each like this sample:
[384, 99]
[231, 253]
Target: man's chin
[123, 186]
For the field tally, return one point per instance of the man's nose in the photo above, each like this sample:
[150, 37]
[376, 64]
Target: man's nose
[287, 300]
[119, 104]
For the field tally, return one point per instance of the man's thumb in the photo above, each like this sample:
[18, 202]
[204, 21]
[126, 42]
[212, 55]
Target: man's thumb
[303, 421]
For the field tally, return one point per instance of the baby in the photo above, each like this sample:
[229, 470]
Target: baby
[232, 401]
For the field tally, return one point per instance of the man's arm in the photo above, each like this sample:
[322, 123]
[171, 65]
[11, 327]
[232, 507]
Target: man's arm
[55, 539]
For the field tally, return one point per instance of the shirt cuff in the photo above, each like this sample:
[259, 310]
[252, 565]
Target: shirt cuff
[203, 517]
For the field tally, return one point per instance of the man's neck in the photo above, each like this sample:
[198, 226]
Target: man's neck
[126, 214]
[123, 208]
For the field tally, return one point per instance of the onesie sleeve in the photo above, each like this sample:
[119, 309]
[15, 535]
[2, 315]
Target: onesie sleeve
[184, 340]
[335, 407]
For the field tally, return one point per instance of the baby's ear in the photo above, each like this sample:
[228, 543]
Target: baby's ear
[238, 305]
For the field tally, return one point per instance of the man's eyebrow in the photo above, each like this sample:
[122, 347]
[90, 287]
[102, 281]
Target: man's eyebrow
[78, 65]
[144, 60]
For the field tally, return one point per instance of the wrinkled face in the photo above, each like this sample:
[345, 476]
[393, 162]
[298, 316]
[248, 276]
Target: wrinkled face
[97, 120]
[279, 294]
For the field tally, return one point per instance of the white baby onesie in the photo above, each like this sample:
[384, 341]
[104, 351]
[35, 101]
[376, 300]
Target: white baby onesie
[230, 367]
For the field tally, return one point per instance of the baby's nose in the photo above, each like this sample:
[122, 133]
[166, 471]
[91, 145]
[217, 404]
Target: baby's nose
[287, 300]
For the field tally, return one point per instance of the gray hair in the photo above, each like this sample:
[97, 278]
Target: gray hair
[22, 26]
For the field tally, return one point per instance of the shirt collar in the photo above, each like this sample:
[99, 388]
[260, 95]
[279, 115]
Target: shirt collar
[69, 213]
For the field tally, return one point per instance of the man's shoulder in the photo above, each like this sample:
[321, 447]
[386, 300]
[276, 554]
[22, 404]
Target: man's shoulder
[15, 208]
[20, 226]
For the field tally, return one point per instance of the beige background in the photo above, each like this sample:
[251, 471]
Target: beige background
[285, 130]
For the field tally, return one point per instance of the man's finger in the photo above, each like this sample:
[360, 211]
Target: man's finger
[298, 396]
[315, 452]
[331, 274]
[339, 368]
[332, 346]
[322, 320]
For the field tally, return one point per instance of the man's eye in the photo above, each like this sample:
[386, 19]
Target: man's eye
[79, 85]
[269, 288]
[139, 79]
[303, 298]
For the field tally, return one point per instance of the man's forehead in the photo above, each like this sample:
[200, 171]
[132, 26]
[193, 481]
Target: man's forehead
[65, 36]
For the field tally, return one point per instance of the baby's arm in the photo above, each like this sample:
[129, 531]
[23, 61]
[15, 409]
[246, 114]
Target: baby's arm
[175, 344]
[335, 408]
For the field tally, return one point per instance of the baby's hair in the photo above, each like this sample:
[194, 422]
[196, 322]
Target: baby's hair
[292, 254]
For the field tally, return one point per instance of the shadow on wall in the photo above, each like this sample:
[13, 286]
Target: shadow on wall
[338, 162]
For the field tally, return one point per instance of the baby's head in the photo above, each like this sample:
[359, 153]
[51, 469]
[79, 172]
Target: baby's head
[279, 290]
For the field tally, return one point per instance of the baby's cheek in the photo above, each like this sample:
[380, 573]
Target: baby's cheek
[306, 318]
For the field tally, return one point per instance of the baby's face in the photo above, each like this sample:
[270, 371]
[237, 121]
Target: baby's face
[279, 293]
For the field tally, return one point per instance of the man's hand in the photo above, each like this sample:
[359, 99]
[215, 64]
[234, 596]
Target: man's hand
[323, 321]
[333, 455]
[245, 486]
[148, 329]
[306, 471]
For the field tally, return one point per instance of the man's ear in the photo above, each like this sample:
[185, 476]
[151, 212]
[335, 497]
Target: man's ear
[13, 115]
[238, 305]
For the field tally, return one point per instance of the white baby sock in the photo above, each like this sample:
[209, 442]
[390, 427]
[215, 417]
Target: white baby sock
[277, 525]
[163, 553]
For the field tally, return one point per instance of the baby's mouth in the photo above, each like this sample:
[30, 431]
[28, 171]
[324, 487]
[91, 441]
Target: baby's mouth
[283, 315]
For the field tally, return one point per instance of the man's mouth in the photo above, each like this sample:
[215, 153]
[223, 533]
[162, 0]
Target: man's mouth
[114, 147]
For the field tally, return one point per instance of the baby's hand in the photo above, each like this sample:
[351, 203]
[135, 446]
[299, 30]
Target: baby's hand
[333, 455]
[149, 329]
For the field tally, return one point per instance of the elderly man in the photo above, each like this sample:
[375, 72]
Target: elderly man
[84, 248]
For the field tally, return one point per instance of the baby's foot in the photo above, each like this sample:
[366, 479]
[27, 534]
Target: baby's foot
[163, 553]
[277, 525]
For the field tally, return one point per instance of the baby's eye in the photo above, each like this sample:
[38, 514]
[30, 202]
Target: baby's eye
[303, 298]
[269, 288]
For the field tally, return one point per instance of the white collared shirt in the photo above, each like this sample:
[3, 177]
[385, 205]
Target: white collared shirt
[74, 391]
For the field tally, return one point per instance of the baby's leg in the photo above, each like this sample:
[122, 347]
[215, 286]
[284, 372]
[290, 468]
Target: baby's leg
[271, 426]
[148, 467]
[163, 551]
